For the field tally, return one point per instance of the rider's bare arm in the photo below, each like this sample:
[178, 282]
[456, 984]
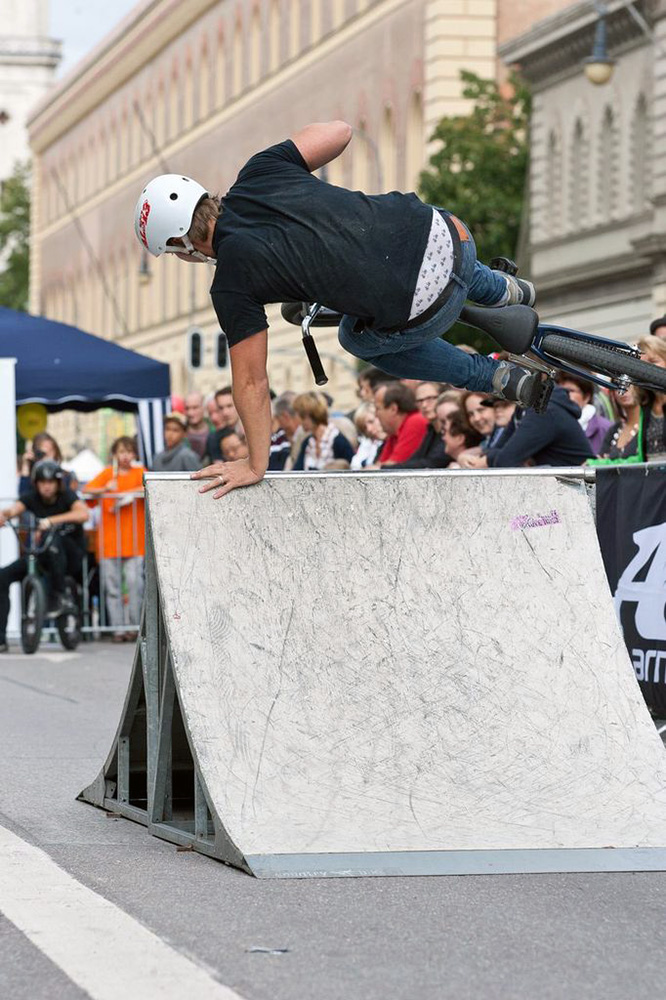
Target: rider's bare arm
[77, 514]
[321, 142]
[253, 403]
[9, 512]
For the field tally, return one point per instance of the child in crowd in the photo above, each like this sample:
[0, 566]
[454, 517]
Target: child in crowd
[121, 534]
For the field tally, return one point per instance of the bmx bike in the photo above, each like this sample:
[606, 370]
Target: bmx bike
[517, 329]
[35, 597]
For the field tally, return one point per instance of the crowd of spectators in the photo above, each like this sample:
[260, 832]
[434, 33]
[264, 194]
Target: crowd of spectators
[398, 424]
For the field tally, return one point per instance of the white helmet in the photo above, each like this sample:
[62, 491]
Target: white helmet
[165, 210]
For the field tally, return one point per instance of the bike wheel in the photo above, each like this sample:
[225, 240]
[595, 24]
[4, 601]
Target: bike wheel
[605, 360]
[33, 613]
[69, 624]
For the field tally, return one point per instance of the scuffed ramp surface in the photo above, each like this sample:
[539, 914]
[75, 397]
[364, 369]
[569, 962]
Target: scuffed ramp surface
[404, 663]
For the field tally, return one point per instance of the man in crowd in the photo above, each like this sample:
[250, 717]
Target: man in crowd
[212, 413]
[227, 417]
[55, 507]
[177, 456]
[658, 327]
[289, 423]
[197, 428]
[457, 437]
[431, 453]
[404, 426]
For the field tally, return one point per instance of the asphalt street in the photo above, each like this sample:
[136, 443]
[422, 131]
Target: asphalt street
[491, 937]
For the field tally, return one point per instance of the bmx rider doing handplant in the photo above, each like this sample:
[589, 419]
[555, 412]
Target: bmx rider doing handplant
[398, 269]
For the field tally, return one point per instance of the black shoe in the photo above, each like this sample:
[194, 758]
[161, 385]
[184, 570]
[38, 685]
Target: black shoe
[529, 390]
[521, 292]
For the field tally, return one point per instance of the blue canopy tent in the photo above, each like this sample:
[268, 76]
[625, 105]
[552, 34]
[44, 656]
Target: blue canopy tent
[66, 369]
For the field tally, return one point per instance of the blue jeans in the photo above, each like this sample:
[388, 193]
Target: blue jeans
[420, 352]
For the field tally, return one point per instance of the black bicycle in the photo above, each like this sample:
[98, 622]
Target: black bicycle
[35, 593]
[538, 346]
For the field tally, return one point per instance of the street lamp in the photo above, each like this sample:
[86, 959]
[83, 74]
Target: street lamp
[599, 66]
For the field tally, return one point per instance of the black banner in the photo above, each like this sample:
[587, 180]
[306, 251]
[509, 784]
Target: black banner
[631, 525]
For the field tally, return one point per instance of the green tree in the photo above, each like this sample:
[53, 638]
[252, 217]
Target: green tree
[15, 238]
[479, 170]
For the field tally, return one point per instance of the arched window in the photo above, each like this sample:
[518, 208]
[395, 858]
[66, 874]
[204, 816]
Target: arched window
[188, 109]
[294, 28]
[640, 156]
[238, 59]
[174, 106]
[361, 159]
[387, 150]
[160, 115]
[204, 84]
[607, 167]
[255, 46]
[414, 152]
[338, 12]
[578, 187]
[220, 72]
[274, 36]
[552, 204]
[315, 21]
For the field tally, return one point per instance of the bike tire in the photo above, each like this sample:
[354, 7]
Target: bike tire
[605, 361]
[33, 613]
[69, 624]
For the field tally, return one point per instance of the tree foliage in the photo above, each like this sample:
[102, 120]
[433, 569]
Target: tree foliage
[478, 171]
[15, 238]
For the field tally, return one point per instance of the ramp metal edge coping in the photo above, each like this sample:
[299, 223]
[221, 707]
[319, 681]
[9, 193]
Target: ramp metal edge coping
[587, 475]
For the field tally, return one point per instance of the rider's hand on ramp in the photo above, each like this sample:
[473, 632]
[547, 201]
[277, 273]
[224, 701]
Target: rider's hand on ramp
[227, 476]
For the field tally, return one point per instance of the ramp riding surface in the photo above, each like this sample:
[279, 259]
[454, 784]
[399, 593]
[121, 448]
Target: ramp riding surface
[414, 673]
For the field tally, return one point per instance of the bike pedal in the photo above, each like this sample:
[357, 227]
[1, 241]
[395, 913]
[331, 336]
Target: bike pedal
[545, 393]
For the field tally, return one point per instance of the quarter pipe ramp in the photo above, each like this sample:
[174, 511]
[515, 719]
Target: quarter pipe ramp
[386, 674]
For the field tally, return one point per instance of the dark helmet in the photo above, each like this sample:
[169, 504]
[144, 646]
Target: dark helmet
[46, 471]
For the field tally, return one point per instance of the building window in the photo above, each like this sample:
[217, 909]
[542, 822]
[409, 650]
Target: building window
[294, 28]
[255, 46]
[388, 151]
[578, 193]
[640, 155]
[238, 60]
[188, 111]
[414, 144]
[607, 167]
[553, 181]
[174, 107]
[274, 36]
[204, 84]
[220, 73]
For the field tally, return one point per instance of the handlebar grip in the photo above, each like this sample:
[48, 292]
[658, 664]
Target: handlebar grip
[320, 375]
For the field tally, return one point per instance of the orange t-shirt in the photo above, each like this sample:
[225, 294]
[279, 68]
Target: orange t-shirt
[121, 532]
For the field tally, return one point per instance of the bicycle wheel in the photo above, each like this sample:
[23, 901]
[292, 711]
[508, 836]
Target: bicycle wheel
[605, 361]
[69, 624]
[34, 610]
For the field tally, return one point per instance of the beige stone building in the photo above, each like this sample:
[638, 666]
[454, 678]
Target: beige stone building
[197, 86]
[597, 185]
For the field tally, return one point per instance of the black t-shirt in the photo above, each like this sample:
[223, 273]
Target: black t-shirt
[63, 502]
[284, 235]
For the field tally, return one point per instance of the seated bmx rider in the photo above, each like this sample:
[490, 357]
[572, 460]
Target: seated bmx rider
[55, 507]
[398, 269]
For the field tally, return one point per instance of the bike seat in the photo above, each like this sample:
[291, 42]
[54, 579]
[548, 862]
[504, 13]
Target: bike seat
[513, 327]
[295, 312]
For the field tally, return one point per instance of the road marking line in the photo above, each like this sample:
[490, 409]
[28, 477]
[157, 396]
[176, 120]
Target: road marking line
[96, 944]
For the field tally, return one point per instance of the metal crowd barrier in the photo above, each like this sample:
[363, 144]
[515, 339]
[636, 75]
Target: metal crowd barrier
[94, 579]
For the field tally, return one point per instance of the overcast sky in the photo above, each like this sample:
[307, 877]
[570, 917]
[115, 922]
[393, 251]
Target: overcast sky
[81, 24]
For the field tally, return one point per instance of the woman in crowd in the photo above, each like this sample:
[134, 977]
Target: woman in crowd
[621, 439]
[121, 534]
[324, 444]
[581, 392]
[43, 446]
[654, 403]
[371, 436]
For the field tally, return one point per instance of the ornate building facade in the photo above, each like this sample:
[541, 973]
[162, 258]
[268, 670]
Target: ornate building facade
[598, 185]
[197, 86]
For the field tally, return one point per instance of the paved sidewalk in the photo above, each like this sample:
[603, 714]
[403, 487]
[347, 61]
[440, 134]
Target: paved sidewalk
[504, 937]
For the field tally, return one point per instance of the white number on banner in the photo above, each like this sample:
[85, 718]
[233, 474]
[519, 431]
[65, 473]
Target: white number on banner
[648, 594]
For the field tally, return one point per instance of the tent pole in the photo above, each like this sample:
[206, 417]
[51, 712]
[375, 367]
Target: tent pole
[9, 476]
